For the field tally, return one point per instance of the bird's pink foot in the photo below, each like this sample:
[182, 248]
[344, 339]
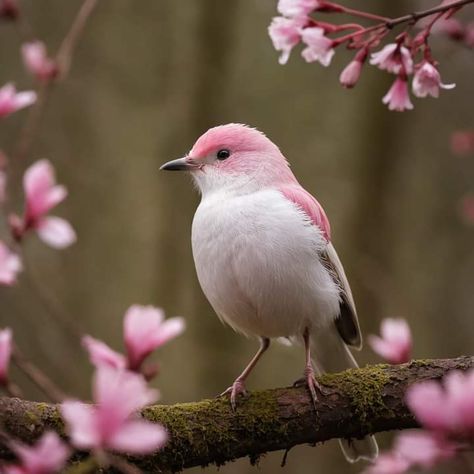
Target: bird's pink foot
[312, 385]
[237, 389]
[303, 381]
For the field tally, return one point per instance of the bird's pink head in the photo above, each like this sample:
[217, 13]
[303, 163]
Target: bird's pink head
[234, 155]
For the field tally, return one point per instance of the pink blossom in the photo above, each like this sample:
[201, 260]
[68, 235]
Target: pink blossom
[285, 34]
[37, 62]
[393, 58]
[109, 424]
[10, 265]
[101, 354]
[448, 410]
[451, 27]
[466, 208]
[47, 456]
[297, 8]
[3, 186]
[11, 100]
[145, 329]
[462, 142]
[469, 35]
[423, 449]
[388, 463]
[351, 74]
[397, 97]
[9, 9]
[395, 343]
[5, 353]
[42, 194]
[427, 81]
[319, 47]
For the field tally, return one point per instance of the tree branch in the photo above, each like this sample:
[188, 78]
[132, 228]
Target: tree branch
[355, 403]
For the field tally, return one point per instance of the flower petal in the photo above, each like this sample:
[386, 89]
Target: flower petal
[138, 437]
[101, 354]
[56, 232]
[81, 426]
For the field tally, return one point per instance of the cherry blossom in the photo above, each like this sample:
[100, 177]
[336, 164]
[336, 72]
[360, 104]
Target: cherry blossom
[466, 209]
[396, 341]
[351, 73]
[37, 62]
[309, 21]
[111, 423]
[427, 81]
[101, 354]
[462, 142]
[42, 194]
[319, 47]
[447, 408]
[297, 8]
[398, 98]
[388, 463]
[9, 9]
[423, 449]
[3, 186]
[285, 34]
[47, 456]
[10, 265]
[145, 329]
[393, 58]
[413, 449]
[11, 100]
[5, 353]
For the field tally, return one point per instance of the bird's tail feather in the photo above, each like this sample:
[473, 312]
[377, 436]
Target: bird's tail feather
[330, 354]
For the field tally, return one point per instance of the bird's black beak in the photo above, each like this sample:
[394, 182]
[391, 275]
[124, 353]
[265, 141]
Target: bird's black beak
[181, 164]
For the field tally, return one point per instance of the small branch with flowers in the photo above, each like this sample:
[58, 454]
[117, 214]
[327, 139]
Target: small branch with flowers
[408, 55]
[355, 403]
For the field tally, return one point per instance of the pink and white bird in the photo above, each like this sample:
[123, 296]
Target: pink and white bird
[264, 258]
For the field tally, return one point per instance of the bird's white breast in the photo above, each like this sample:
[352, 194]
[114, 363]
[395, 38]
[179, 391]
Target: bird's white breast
[257, 260]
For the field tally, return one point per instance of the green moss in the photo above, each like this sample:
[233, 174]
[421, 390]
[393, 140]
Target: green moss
[218, 428]
[364, 388]
[32, 417]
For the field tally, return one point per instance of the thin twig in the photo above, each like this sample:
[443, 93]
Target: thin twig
[66, 50]
[38, 377]
[12, 390]
[122, 465]
[411, 17]
[63, 59]
[32, 121]
[414, 17]
[52, 305]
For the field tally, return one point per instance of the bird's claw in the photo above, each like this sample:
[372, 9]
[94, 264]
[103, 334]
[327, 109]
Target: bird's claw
[303, 382]
[237, 389]
[312, 385]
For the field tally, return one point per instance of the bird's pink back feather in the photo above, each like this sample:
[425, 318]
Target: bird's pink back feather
[309, 205]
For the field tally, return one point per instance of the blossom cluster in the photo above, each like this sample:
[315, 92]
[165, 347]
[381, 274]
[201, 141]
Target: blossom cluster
[407, 56]
[145, 330]
[446, 413]
[40, 189]
[120, 391]
[395, 342]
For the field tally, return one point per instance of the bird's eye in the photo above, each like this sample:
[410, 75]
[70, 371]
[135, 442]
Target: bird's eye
[223, 154]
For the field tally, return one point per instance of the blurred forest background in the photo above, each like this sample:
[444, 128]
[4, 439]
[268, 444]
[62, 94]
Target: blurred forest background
[147, 79]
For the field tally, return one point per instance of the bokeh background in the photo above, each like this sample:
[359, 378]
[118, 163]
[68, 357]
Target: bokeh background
[147, 79]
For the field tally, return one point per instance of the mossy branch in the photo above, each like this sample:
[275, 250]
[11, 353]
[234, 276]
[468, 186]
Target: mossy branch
[354, 404]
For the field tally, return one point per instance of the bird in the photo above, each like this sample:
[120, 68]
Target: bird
[265, 260]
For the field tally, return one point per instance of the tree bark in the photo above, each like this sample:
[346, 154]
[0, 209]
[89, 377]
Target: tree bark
[354, 403]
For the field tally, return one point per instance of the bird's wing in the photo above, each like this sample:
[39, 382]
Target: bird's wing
[307, 203]
[347, 323]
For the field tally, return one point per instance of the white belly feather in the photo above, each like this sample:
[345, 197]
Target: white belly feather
[257, 261]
